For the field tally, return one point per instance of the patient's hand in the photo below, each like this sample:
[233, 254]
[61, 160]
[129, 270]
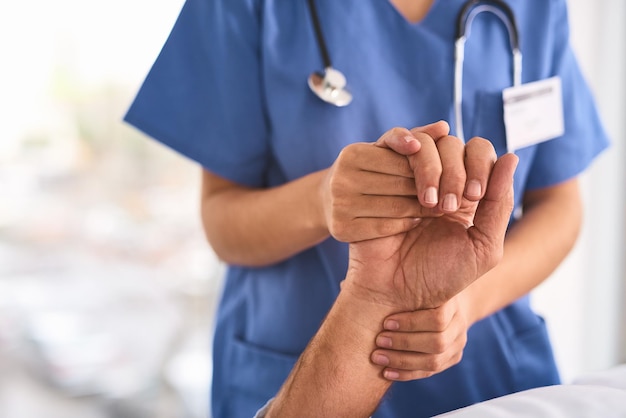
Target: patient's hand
[428, 265]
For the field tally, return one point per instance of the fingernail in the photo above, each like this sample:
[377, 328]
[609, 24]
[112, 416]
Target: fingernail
[391, 375]
[408, 139]
[450, 203]
[392, 324]
[431, 196]
[474, 188]
[380, 360]
[384, 342]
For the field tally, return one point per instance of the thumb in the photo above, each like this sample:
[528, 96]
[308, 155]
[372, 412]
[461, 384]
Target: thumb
[494, 210]
[405, 142]
[400, 140]
[435, 130]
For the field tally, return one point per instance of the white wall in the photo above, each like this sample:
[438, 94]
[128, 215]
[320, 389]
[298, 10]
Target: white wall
[584, 300]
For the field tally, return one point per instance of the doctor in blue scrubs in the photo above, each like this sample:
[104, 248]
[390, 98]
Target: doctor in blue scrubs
[285, 184]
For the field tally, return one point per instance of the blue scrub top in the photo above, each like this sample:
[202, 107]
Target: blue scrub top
[229, 90]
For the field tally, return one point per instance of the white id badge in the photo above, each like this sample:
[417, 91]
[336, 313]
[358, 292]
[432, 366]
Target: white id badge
[533, 113]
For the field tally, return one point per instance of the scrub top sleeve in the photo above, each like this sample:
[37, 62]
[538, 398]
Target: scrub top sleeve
[565, 157]
[203, 96]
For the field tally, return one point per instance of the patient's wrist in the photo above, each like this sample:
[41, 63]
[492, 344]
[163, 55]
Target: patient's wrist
[365, 307]
[379, 288]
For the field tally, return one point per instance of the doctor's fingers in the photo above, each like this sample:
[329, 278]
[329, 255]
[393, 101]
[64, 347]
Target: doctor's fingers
[434, 130]
[400, 140]
[370, 217]
[372, 183]
[480, 157]
[433, 320]
[363, 157]
[409, 365]
[406, 142]
[431, 342]
[430, 331]
[362, 229]
[372, 207]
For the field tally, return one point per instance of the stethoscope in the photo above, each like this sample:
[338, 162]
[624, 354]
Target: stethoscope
[330, 85]
[466, 17]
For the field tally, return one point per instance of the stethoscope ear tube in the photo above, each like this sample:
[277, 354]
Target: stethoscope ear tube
[329, 85]
[508, 18]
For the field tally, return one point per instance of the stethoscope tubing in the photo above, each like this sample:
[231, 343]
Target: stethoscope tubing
[319, 34]
[466, 16]
[320, 83]
[503, 10]
[329, 85]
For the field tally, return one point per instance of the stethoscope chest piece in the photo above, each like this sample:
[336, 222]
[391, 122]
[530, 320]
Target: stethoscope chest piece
[330, 87]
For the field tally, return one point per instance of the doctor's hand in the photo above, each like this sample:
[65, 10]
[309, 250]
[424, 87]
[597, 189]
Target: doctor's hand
[382, 189]
[426, 266]
[419, 344]
[369, 191]
[449, 175]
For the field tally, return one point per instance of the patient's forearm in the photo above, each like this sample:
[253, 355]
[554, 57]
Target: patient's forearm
[334, 376]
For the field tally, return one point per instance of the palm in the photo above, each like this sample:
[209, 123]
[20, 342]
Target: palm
[427, 265]
[431, 263]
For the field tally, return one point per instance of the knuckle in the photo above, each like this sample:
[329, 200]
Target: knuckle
[450, 141]
[439, 320]
[457, 173]
[339, 183]
[439, 344]
[342, 157]
[430, 168]
[347, 151]
[479, 141]
[384, 228]
[338, 229]
[455, 176]
[335, 187]
[421, 136]
[433, 364]
[481, 146]
[349, 154]
[399, 131]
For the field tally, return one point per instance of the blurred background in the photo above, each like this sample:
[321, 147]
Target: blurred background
[107, 286]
